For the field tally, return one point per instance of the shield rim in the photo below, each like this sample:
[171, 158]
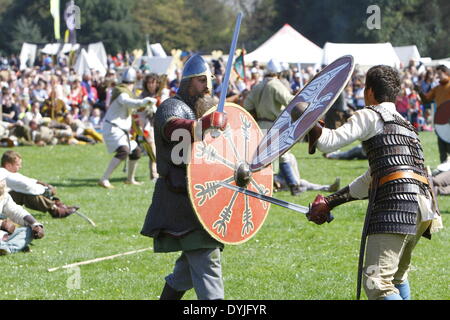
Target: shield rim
[331, 102]
[191, 199]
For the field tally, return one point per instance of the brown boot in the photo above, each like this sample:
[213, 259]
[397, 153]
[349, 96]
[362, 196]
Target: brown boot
[62, 211]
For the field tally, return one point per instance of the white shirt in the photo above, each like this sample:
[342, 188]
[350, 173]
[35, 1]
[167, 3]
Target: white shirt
[119, 111]
[20, 183]
[12, 210]
[363, 125]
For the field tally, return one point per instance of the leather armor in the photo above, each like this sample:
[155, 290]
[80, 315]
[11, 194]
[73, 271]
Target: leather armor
[395, 205]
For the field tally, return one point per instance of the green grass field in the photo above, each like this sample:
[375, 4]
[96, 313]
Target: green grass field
[290, 258]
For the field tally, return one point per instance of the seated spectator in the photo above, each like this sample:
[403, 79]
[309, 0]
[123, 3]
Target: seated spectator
[76, 95]
[30, 192]
[39, 94]
[81, 131]
[10, 109]
[95, 119]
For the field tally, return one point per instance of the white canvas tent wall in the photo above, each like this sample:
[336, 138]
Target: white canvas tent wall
[156, 50]
[87, 62]
[59, 48]
[407, 53]
[27, 55]
[97, 49]
[365, 54]
[158, 65]
[287, 45]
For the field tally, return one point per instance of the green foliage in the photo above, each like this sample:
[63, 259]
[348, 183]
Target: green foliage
[204, 26]
[111, 22]
[290, 258]
[25, 31]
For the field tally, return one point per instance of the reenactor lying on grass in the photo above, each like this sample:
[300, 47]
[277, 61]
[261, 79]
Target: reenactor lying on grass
[14, 239]
[29, 192]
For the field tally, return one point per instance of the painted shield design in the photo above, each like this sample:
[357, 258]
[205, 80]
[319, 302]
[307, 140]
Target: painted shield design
[229, 216]
[442, 121]
[318, 95]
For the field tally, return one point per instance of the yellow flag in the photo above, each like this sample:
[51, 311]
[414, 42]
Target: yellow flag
[54, 10]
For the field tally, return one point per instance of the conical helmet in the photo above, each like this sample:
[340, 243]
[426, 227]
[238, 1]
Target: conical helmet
[197, 66]
[129, 75]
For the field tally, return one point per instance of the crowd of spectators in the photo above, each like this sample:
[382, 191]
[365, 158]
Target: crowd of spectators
[50, 103]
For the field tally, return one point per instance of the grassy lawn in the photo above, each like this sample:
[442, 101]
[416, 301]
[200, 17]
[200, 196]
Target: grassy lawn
[289, 258]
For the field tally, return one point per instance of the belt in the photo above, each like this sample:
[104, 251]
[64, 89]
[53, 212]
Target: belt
[402, 175]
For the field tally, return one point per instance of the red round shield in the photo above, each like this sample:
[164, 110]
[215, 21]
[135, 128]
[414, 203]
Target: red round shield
[442, 121]
[228, 216]
[320, 93]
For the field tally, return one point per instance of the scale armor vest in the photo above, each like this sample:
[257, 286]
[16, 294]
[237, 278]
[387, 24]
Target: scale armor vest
[397, 148]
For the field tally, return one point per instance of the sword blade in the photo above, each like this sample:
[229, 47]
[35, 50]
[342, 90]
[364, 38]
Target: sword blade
[278, 202]
[226, 79]
[85, 218]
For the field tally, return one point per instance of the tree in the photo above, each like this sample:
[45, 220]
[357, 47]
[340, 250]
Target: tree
[25, 31]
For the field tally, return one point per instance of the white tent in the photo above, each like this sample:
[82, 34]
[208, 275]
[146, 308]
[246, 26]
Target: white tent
[87, 62]
[286, 45]
[365, 54]
[99, 51]
[59, 48]
[27, 55]
[407, 53]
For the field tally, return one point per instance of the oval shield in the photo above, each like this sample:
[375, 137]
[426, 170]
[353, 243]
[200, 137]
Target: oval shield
[318, 95]
[229, 216]
[442, 121]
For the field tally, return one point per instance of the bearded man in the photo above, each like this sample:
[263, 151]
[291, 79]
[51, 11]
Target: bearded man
[171, 221]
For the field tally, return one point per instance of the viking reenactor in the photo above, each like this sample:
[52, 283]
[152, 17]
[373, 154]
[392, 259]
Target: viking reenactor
[441, 95]
[171, 220]
[401, 206]
[117, 125]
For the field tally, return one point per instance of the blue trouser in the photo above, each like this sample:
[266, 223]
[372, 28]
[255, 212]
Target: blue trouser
[17, 241]
[287, 172]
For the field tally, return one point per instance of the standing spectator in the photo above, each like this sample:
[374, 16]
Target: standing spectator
[439, 94]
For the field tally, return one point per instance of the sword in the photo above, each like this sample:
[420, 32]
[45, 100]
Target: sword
[226, 79]
[85, 218]
[278, 202]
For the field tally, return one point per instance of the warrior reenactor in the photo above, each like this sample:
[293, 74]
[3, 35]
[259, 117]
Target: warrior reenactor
[117, 125]
[401, 203]
[171, 220]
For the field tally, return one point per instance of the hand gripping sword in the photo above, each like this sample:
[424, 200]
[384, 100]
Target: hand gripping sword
[278, 202]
